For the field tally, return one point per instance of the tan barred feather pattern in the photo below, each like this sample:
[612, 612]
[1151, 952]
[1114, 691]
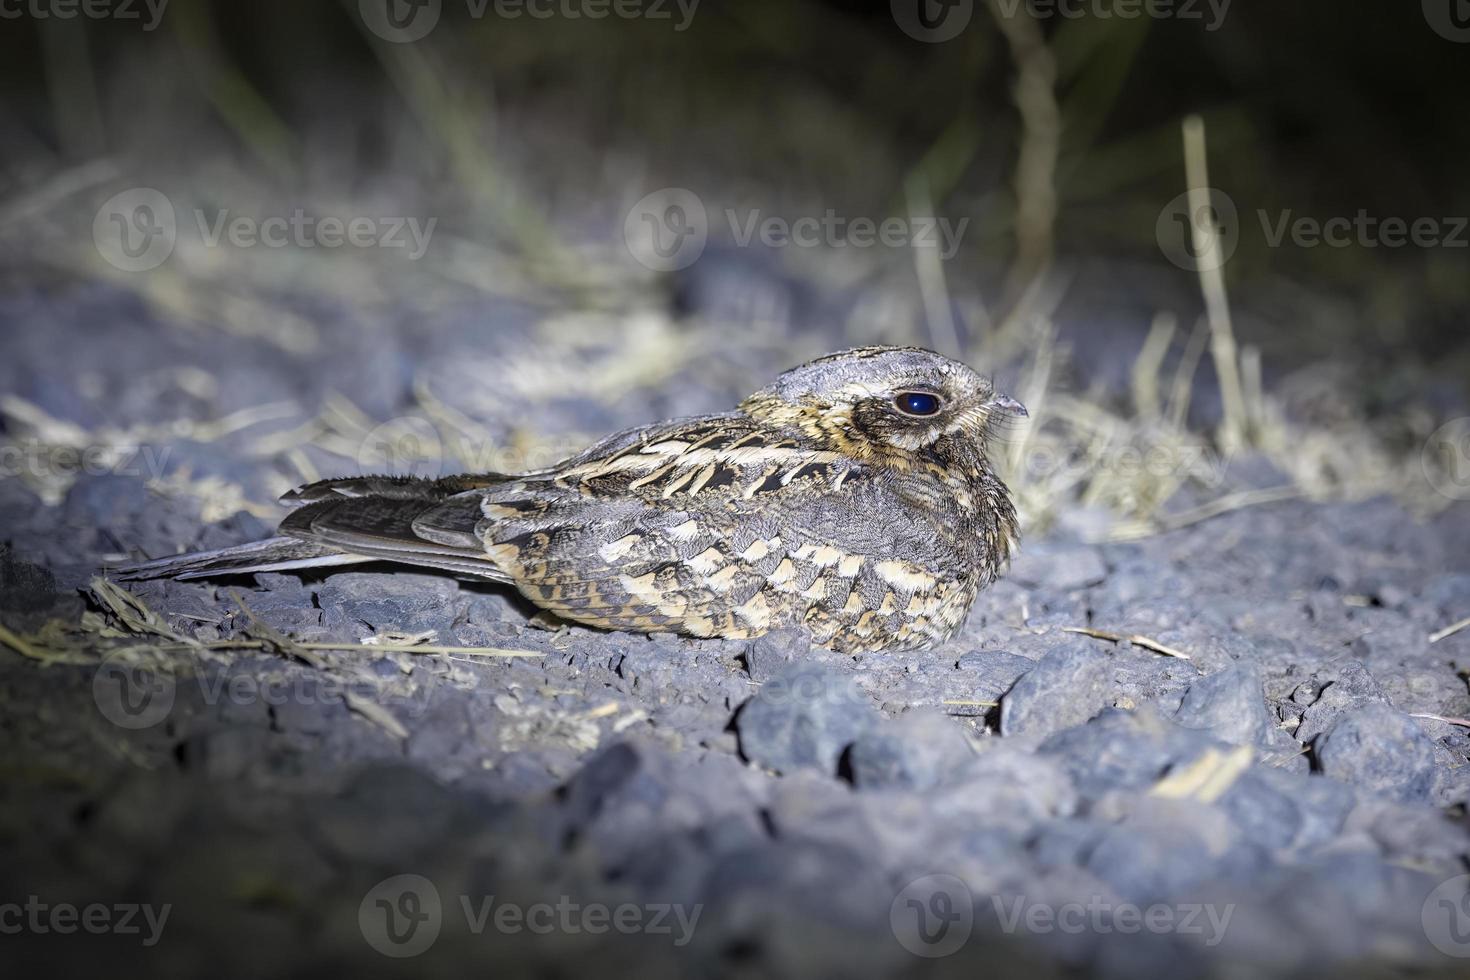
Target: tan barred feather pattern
[852, 497]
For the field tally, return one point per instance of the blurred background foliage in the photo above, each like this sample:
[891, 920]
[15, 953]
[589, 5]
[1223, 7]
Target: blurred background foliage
[1058, 139]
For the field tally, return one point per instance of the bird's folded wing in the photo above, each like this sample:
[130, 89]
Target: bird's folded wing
[394, 529]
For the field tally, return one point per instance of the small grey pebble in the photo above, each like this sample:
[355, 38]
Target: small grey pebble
[1228, 704]
[1353, 687]
[804, 718]
[1381, 750]
[1068, 686]
[766, 656]
[919, 750]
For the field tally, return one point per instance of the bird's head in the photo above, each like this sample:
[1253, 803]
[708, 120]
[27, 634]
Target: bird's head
[884, 402]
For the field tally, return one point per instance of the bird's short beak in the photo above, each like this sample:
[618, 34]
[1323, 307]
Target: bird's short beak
[1006, 403]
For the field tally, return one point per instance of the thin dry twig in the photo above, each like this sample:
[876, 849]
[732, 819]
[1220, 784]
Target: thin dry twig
[929, 269]
[1449, 630]
[1133, 638]
[20, 646]
[1221, 505]
[134, 614]
[1234, 427]
[273, 637]
[1182, 390]
[1462, 722]
[1150, 360]
[422, 648]
[375, 713]
[1208, 777]
[1041, 140]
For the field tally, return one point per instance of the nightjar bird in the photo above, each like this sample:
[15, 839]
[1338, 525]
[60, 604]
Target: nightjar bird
[852, 497]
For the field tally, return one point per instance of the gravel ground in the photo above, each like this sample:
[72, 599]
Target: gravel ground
[1026, 799]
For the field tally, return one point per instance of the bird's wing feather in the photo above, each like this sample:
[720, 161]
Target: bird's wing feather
[388, 528]
[391, 487]
[681, 527]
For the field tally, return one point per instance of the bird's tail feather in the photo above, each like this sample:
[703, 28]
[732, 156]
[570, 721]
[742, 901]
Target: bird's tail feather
[430, 525]
[277, 554]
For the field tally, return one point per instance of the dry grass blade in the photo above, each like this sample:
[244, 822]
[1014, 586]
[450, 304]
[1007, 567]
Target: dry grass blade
[929, 269]
[134, 614]
[419, 648]
[1133, 638]
[1223, 505]
[266, 645]
[1234, 428]
[466, 440]
[1462, 722]
[1449, 630]
[1148, 364]
[61, 185]
[1041, 139]
[375, 713]
[141, 620]
[1207, 778]
[274, 638]
[20, 646]
[1181, 392]
[393, 637]
[1228, 503]
[24, 647]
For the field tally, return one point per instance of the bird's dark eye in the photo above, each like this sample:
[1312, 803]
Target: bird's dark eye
[917, 403]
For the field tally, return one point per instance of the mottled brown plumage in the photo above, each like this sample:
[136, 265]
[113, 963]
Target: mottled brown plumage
[851, 497]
